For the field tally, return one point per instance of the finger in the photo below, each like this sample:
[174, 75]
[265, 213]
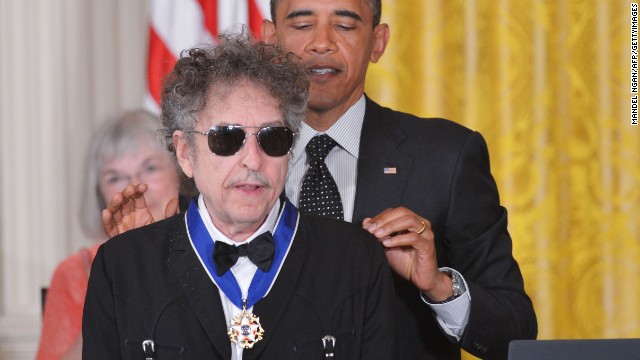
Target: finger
[115, 203]
[382, 239]
[393, 226]
[171, 208]
[107, 224]
[371, 224]
[140, 189]
[127, 206]
[423, 241]
[115, 207]
[422, 227]
[133, 198]
[138, 201]
[386, 215]
[401, 220]
[129, 192]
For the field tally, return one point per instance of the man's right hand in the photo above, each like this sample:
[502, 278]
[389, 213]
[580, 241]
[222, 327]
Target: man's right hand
[128, 210]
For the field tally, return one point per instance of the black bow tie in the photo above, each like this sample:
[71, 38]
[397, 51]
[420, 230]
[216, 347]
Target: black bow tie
[259, 250]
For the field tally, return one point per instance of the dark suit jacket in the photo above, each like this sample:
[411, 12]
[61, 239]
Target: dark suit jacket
[148, 284]
[443, 175]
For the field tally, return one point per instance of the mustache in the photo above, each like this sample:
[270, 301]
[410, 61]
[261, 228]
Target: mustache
[251, 177]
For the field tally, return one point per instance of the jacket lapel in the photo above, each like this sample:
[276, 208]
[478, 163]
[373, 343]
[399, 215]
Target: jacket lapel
[201, 293]
[380, 142]
[271, 308]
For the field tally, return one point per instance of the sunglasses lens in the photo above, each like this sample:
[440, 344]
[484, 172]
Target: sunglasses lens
[275, 141]
[225, 140]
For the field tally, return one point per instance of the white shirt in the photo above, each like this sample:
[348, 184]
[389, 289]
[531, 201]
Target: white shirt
[243, 270]
[342, 163]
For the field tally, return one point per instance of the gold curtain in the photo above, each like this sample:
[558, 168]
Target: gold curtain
[548, 85]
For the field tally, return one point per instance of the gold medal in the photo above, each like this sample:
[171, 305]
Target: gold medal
[245, 329]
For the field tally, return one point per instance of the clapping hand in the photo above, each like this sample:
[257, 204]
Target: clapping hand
[128, 210]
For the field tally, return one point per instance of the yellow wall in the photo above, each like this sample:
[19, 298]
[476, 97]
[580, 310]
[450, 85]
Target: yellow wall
[548, 84]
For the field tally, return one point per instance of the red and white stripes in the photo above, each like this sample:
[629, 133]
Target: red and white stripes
[176, 25]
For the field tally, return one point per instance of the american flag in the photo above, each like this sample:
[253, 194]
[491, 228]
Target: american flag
[176, 25]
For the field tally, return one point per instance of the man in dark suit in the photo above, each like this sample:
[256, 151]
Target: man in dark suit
[242, 274]
[422, 186]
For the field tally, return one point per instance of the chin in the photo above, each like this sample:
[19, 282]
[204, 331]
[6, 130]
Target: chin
[251, 216]
[322, 103]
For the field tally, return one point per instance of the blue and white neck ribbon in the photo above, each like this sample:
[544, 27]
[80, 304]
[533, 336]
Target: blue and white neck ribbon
[202, 243]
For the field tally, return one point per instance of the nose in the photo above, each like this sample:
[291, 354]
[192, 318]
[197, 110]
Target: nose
[135, 178]
[251, 153]
[323, 40]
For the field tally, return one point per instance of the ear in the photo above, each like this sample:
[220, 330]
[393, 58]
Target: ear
[268, 32]
[182, 152]
[381, 35]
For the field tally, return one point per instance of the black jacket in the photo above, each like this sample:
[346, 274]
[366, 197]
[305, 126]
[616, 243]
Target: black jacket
[443, 174]
[149, 284]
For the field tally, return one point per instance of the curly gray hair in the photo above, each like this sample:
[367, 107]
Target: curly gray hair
[213, 70]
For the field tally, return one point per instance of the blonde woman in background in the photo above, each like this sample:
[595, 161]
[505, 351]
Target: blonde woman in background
[125, 151]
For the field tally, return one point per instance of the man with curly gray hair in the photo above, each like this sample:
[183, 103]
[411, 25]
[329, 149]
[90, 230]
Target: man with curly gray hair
[242, 274]
[213, 71]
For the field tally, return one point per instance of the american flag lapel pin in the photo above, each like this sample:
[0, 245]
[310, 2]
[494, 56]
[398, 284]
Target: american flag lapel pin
[389, 170]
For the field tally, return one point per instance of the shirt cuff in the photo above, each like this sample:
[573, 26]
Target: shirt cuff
[453, 316]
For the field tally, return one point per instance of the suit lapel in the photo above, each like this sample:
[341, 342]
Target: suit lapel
[201, 293]
[379, 149]
[271, 308]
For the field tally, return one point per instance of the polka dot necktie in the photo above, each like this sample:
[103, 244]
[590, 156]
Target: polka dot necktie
[319, 194]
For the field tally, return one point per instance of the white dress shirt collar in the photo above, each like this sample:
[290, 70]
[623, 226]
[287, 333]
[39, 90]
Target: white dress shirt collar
[243, 270]
[346, 132]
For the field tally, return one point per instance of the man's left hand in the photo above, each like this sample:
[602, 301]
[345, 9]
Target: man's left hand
[410, 249]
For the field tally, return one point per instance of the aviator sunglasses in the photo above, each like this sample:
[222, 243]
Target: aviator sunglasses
[227, 140]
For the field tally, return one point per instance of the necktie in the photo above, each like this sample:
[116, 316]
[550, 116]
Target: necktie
[319, 194]
[259, 250]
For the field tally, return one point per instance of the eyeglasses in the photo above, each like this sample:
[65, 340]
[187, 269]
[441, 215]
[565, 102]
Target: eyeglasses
[227, 140]
[149, 172]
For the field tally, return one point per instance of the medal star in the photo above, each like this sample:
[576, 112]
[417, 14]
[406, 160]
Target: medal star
[245, 330]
